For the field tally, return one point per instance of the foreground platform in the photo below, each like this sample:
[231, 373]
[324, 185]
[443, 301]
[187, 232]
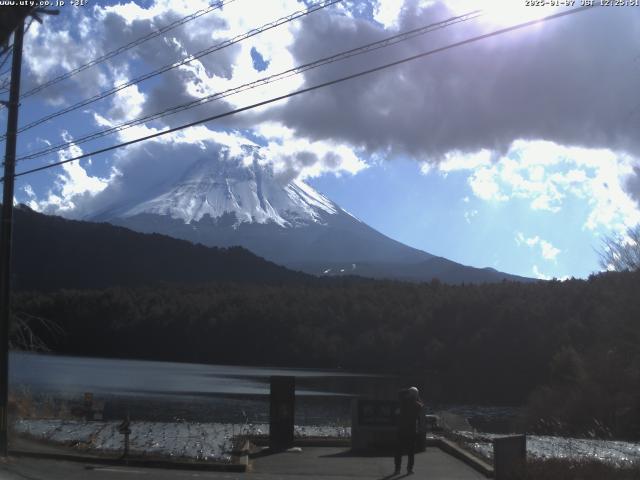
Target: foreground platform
[312, 463]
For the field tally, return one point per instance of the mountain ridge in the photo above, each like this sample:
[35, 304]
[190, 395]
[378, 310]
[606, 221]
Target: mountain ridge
[79, 254]
[227, 200]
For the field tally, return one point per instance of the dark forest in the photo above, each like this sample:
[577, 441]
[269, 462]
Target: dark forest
[568, 350]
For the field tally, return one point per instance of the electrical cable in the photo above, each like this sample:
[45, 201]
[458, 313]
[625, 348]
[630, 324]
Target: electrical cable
[383, 43]
[126, 47]
[309, 89]
[7, 54]
[313, 8]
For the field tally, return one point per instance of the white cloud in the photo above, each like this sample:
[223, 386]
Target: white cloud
[127, 104]
[426, 168]
[200, 76]
[469, 214]
[28, 189]
[71, 186]
[538, 274]
[387, 12]
[456, 160]
[542, 276]
[295, 157]
[547, 250]
[484, 184]
[546, 174]
[32, 198]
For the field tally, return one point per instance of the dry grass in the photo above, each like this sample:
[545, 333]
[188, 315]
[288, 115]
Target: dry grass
[24, 404]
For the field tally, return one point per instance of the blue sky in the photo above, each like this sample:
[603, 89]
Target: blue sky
[443, 216]
[511, 153]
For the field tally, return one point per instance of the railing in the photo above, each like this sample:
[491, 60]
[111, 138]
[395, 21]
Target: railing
[206, 429]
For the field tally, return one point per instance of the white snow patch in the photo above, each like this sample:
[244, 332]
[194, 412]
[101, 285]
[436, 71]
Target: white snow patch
[546, 447]
[187, 440]
[250, 191]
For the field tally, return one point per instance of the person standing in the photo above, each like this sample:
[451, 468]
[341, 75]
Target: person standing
[410, 408]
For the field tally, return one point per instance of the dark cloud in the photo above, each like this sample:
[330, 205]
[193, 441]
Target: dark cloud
[633, 184]
[292, 163]
[59, 45]
[571, 80]
[170, 88]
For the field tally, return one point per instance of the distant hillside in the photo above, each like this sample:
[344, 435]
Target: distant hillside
[220, 201]
[51, 253]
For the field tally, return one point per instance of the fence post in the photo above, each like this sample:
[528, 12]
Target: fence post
[125, 429]
[281, 412]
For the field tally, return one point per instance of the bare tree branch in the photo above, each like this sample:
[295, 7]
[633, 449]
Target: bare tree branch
[22, 336]
[621, 252]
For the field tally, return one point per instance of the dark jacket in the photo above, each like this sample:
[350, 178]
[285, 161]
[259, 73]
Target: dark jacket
[408, 416]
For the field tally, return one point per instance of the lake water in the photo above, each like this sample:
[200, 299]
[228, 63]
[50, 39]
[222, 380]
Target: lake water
[52, 373]
[165, 391]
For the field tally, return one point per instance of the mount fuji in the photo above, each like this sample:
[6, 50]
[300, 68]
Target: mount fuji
[237, 200]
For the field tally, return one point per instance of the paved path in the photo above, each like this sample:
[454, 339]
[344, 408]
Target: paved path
[316, 463]
[338, 463]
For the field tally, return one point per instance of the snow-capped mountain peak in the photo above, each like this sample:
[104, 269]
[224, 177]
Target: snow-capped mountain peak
[248, 190]
[224, 201]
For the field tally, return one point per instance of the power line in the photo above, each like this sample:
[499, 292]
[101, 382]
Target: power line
[268, 26]
[4, 88]
[7, 53]
[383, 43]
[126, 47]
[309, 89]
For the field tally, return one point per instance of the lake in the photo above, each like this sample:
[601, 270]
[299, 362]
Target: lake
[53, 373]
[153, 390]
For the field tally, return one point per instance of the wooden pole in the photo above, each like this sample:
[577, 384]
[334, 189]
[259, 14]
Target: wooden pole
[6, 225]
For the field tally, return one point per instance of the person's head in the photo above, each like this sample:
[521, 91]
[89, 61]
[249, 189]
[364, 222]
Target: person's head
[413, 393]
[408, 394]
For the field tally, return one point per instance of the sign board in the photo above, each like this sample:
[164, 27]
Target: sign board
[509, 457]
[281, 412]
[377, 412]
[374, 426]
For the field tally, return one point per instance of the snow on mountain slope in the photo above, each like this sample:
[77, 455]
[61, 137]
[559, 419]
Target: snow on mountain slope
[228, 200]
[216, 187]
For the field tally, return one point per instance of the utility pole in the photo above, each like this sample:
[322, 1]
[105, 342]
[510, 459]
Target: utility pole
[6, 231]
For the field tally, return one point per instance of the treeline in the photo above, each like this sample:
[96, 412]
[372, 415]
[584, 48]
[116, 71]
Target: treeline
[52, 253]
[571, 349]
